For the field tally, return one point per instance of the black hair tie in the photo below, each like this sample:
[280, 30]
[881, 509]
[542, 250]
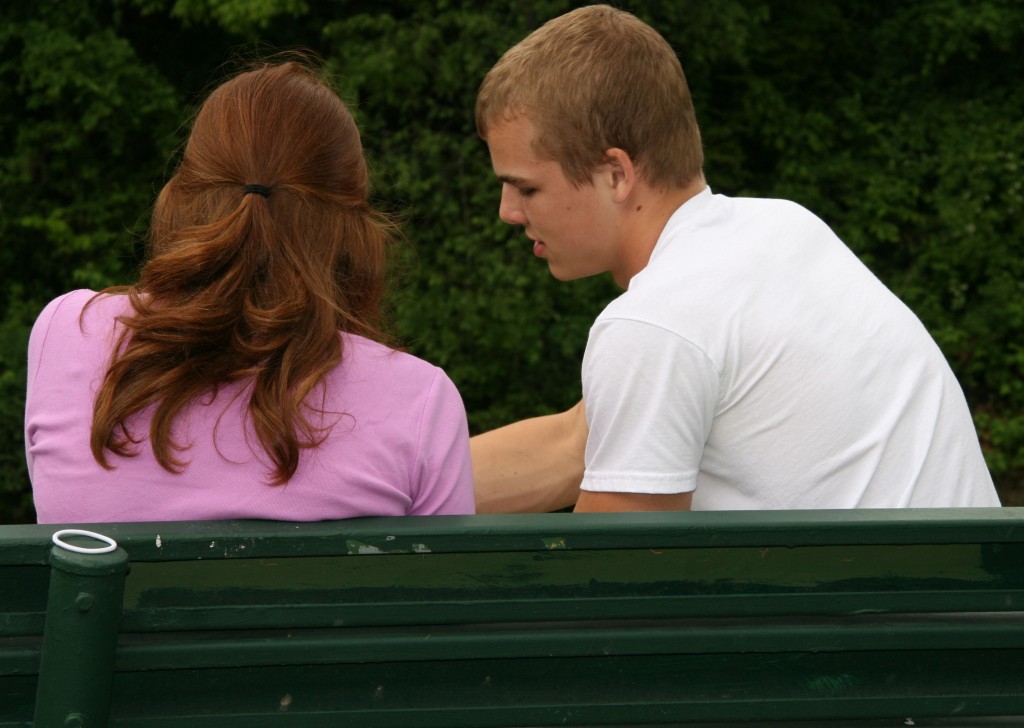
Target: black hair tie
[258, 189]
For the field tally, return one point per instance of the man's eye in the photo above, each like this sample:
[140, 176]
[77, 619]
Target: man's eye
[527, 191]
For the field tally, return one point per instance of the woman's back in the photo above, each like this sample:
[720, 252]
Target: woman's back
[400, 447]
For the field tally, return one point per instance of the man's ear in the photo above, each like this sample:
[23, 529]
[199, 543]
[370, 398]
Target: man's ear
[621, 173]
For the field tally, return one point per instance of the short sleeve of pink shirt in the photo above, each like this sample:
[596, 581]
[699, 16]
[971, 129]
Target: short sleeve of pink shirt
[397, 441]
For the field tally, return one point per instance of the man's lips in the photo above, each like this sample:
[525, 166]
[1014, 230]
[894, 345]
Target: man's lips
[539, 247]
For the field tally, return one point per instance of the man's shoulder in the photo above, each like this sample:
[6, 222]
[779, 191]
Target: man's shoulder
[703, 267]
[773, 208]
[716, 224]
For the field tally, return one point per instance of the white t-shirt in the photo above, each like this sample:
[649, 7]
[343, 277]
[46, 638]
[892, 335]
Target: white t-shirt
[759, 363]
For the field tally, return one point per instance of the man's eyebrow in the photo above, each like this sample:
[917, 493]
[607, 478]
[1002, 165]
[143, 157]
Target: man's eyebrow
[509, 179]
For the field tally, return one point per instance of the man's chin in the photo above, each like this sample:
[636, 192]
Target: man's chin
[562, 274]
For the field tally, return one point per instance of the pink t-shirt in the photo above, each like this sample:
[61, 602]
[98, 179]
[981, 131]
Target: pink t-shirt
[399, 447]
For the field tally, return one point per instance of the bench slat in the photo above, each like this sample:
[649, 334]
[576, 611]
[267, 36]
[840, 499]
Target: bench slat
[583, 691]
[679, 637]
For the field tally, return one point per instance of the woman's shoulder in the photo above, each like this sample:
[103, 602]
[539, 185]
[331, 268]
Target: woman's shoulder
[79, 318]
[74, 330]
[73, 305]
[62, 309]
[402, 374]
[67, 301]
[361, 353]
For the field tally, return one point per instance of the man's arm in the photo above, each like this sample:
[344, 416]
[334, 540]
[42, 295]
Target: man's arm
[599, 502]
[650, 397]
[531, 466]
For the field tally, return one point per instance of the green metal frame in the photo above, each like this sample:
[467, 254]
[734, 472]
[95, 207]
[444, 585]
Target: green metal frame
[771, 618]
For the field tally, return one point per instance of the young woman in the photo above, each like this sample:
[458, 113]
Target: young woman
[242, 376]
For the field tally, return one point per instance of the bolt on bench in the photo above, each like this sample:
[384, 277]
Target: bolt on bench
[784, 618]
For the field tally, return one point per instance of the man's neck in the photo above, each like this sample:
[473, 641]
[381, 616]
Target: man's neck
[643, 221]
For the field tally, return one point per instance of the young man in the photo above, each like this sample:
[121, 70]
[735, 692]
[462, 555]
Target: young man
[752, 362]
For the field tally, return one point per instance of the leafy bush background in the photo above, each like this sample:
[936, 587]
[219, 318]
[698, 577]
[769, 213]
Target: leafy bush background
[901, 124]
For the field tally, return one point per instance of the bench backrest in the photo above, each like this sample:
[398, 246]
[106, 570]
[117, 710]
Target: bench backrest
[558, 619]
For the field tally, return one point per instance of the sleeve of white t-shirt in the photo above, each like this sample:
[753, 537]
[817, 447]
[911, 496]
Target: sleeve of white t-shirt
[650, 398]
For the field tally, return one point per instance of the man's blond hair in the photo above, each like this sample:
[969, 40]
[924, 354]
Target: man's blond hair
[594, 79]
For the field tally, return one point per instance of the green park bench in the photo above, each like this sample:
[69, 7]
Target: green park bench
[786, 618]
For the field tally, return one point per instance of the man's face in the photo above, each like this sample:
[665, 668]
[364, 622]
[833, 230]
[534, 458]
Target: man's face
[575, 229]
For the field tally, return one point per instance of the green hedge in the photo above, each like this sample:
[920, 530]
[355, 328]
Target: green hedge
[900, 123]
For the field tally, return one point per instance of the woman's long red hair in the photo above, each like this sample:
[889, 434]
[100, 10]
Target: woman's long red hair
[246, 288]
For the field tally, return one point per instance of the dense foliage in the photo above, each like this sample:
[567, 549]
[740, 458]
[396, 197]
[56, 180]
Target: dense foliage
[902, 124]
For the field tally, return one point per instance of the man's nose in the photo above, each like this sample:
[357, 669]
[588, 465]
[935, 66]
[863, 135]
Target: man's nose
[510, 210]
